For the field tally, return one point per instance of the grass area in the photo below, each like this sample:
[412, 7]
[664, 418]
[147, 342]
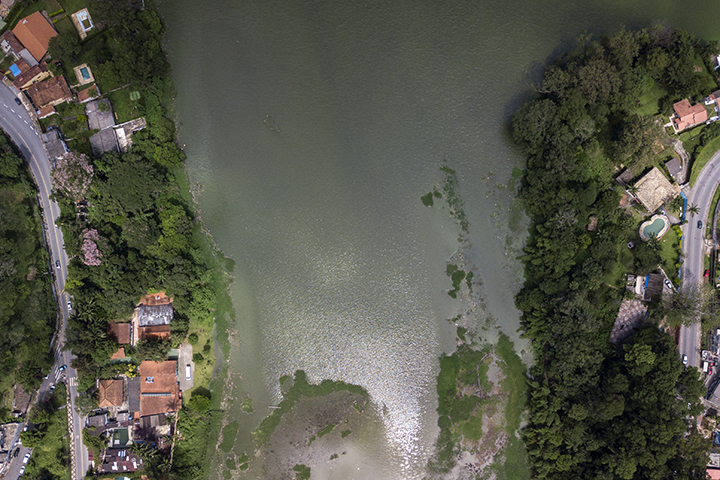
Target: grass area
[64, 25]
[649, 102]
[703, 158]
[72, 6]
[125, 108]
[670, 253]
[23, 9]
[301, 388]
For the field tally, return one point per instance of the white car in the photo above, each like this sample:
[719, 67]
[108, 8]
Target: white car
[25, 460]
[22, 471]
[685, 360]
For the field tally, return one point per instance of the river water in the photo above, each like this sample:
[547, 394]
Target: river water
[314, 127]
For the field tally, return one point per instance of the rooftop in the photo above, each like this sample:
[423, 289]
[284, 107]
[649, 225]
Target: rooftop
[120, 332]
[51, 91]
[35, 32]
[654, 190]
[688, 115]
[154, 315]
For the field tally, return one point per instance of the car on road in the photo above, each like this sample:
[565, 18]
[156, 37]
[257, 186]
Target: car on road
[63, 367]
[17, 100]
[26, 458]
[668, 284]
[22, 471]
[699, 223]
[685, 360]
[69, 306]
[57, 264]
[707, 273]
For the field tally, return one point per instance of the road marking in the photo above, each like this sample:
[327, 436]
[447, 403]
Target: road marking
[25, 121]
[12, 110]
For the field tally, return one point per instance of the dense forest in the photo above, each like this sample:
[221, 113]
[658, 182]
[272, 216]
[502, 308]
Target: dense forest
[599, 410]
[28, 311]
[128, 223]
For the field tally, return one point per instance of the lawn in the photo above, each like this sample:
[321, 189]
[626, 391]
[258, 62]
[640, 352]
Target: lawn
[650, 99]
[705, 155]
[125, 108]
[669, 253]
[24, 9]
[64, 25]
[72, 6]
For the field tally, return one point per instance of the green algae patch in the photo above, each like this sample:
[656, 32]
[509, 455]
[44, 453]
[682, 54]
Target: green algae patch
[427, 200]
[326, 430]
[345, 433]
[301, 472]
[247, 405]
[229, 432]
[300, 388]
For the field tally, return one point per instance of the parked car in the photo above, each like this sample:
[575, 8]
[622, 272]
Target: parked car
[707, 273]
[69, 306]
[27, 457]
[17, 100]
[668, 284]
[22, 471]
[685, 360]
[699, 223]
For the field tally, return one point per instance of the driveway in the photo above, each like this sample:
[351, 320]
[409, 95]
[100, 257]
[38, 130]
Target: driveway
[184, 359]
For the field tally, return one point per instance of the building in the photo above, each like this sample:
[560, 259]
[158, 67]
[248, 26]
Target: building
[30, 76]
[159, 390]
[675, 169]
[152, 317]
[713, 473]
[52, 91]
[124, 131]
[120, 460]
[654, 190]
[54, 145]
[110, 393]
[687, 115]
[87, 94]
[120, 332]
[35, 32]
[625, 177]
[12, 46]
[97, 421]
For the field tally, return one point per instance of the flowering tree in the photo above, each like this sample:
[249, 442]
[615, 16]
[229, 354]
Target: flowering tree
[72, 175]
[91, 252]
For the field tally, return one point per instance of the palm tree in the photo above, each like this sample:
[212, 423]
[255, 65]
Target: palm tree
[693, 209]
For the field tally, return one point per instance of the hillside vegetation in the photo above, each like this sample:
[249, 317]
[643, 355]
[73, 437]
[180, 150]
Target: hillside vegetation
[598, 410]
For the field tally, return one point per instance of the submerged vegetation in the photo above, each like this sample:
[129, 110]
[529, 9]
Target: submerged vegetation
[474, 385]
[600, 410]
[299, 389]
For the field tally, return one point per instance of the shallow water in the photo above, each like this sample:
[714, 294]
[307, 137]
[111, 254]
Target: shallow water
[314, 128]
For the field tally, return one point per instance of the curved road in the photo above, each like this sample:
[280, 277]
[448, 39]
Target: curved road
[694, 249]
[17, 123]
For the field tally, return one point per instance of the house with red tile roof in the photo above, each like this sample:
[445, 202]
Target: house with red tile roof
[110, 392]
[52, 91]
[35, 32]
[159, 389]
[686, 115]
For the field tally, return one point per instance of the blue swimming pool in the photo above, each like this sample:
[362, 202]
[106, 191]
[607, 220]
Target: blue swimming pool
[85, 73]
[654, 228]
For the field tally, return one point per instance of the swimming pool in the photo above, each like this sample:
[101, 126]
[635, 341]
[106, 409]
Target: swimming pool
[657, 226]
[85, 73]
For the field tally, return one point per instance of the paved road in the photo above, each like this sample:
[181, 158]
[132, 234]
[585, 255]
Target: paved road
[694, 249]
[17, 123]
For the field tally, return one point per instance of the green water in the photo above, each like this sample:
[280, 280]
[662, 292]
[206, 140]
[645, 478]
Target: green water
[340, 267]
[654, 228]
